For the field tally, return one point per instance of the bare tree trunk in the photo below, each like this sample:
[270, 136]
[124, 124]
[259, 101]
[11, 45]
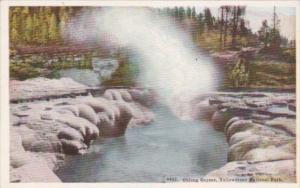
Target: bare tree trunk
[227, 10]
[234, 27]
[221, 27]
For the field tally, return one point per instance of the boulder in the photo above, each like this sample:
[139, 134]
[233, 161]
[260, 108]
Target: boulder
[70, 134]
[73, 147]
[88, 130]
[229, 122]
[112, 94]
[87, 112]
[238, 150]
[239, 136]
[116, 127]
[125, 95]
[72, 108]
[100, 104]
[238, 126]
[204, 111]
[220, 118]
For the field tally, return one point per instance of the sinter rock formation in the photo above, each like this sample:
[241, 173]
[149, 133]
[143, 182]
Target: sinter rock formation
[261, 133]
[42, 132]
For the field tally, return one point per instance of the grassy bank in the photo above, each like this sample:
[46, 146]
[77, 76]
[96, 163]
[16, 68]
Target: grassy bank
[31, 66]
[272, 74]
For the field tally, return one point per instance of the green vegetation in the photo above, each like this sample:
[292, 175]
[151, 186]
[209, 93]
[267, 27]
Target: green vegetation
[274, 66]
[127, 72]
[38, 25]
[262, 73]
[272, 74]
[36, 65]
[238, 75]
[22, 71]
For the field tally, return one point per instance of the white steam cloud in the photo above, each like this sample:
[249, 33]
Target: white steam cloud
[169, 62]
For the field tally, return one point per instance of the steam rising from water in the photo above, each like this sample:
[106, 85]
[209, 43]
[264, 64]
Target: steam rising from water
[168, 63]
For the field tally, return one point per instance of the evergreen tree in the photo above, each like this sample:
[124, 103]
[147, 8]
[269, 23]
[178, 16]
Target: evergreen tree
[181, 13]
[189, 12]
[44, 33]
[274, 33]
[176, 12]
[36, 28]
[53, 28]
[14, 35]
[208, 18]
[28, 33]
[237, 12]
[221, 23]
[200, 23]
[193, 13]
[227, 13]
[264, 33]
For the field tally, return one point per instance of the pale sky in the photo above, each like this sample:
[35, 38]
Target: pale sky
[255, 16]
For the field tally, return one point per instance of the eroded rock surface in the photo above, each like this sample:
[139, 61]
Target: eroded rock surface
[261, 134]
[43, 132]
[39, 88]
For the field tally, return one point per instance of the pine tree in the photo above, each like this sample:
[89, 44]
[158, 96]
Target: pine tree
[14, 35]
[200, 23]
[264, 33]
[193, 13]
[44, 33]
[228, 10]
[63, 18]
[53, 28]
[189, 12]
[176, 12]
[36, 28]
[208, 18]
[275, 34]
[181, 13]
[28, 33]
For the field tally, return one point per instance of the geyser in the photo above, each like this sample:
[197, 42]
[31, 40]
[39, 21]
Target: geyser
[169, 62]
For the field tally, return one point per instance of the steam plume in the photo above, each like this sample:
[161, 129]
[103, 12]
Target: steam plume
[168, 63]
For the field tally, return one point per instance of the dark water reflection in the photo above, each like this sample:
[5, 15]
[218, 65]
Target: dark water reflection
[167, 147]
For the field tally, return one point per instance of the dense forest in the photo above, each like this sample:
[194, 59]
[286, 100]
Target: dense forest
[38, 25]
[44, 25]
[33, 28]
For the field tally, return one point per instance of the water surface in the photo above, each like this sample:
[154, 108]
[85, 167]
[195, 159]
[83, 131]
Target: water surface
[166, 147]
[102, 69]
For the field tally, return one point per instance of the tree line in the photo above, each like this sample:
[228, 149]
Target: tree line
[229, 22]
[43, 25]
[38, 25]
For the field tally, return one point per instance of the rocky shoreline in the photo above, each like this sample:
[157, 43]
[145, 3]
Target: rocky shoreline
[261, 133]
[260, 129]
[43, 132]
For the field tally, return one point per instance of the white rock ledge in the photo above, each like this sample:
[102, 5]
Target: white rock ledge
[261, 134]
[43, 132]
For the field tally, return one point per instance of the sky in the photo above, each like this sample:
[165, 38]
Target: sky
[255, 16]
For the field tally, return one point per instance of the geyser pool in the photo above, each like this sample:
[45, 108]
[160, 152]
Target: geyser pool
[166, 147]
[170, 64]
